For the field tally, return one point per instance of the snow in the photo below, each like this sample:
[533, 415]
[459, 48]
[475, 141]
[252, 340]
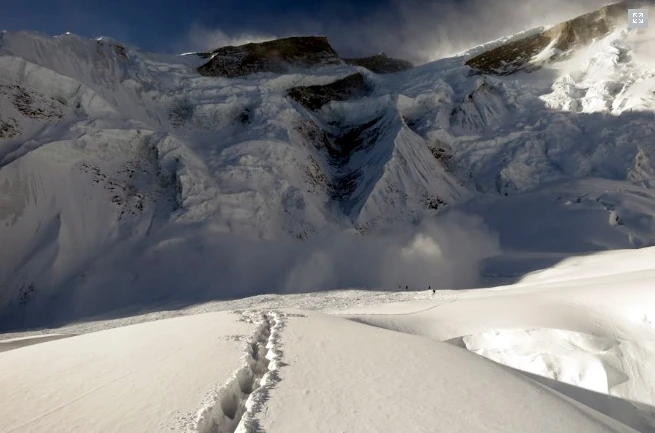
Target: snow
[125, 379]
[577, 217]
[14, 343]
[343, 374]
[587, 322]
[472, 52]
[564, 349]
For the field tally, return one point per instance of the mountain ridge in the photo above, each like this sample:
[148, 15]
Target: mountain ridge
[280, 55]
[558, 40]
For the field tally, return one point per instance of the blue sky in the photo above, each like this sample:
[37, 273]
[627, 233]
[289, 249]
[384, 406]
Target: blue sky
[418, 30]
[163, 24]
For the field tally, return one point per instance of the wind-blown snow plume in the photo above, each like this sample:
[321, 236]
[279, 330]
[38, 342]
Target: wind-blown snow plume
[426, 30]
[432, 30]
[417, 30]
[201, 38]
[441, 254]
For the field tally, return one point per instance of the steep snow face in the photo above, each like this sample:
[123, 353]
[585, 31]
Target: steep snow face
[114, 161]
[108, 152]
[412, 179]
[391, 176]
[240, 132]
[590, 116]
[614, 75]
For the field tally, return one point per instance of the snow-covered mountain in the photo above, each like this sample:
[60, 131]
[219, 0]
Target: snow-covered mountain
[130, 178]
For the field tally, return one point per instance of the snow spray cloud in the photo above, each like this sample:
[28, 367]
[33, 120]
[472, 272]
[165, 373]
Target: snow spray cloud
[443, 254]
[194, 265]
[186, 265]
[201, 38]
[426, 30]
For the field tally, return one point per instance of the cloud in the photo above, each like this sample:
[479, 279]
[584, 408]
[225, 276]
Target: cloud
[464, 25]
[426, 30]
[445, 253]
[186, 265]
[200, 38]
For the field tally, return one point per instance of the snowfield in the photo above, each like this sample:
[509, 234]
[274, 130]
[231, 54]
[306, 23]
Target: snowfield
[567, 349]
[132, 372]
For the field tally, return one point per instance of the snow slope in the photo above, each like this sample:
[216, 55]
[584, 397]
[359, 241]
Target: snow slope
[566, 349]
[587, 322]
[344, 375]
[133, 374]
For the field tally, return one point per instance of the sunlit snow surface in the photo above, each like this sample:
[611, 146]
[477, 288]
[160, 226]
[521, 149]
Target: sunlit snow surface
[579, 338]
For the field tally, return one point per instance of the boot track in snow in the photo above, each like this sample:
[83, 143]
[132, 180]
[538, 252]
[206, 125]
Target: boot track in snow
[232, 408]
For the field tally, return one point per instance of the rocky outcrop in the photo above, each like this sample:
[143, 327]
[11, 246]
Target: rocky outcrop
[272, 56]
[381, 64]
[8, 128]
[561, 39]
[314, 97]
[34, 104]
[281, 54]
[511, 57]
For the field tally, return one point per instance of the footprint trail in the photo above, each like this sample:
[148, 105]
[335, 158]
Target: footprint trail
[233, 407]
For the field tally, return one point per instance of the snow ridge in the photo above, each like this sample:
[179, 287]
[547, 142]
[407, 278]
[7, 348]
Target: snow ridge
[234, 406]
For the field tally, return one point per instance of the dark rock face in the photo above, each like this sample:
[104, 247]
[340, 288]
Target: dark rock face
[120, 51]
[511, 57]
[32, 104]
[338, 144]
[381, 64]
[352, 139]
[271, 56]
[8, 128]
[314, 97]
[566, 36]
[281, 54]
